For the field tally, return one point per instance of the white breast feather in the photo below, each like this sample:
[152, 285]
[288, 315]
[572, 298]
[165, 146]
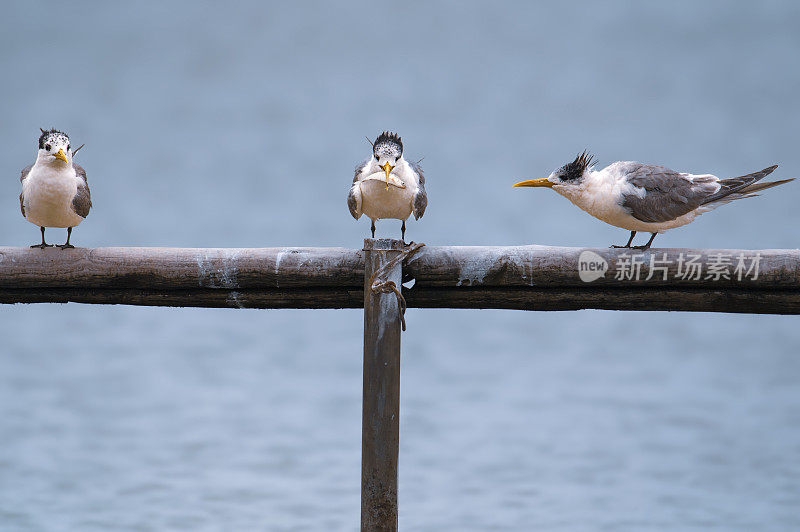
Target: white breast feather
[48, 193]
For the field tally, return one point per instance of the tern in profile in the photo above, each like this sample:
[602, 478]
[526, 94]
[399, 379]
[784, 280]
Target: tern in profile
[55, 192]
[388, 186]
[643, 197]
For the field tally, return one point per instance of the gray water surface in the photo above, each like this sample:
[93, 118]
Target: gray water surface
[240, 125]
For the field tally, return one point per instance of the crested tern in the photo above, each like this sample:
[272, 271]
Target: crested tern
[387, 186]
[643, 197]
[55, 192]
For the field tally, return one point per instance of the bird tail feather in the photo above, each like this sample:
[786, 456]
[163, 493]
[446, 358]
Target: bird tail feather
[757, 187]
[740, 187]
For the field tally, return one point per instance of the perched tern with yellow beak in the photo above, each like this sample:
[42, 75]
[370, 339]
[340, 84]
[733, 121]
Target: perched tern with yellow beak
[388, 186]
[55, 192]
[643, 197]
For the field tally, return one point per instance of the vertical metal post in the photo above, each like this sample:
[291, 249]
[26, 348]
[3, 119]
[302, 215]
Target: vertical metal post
[380, 429]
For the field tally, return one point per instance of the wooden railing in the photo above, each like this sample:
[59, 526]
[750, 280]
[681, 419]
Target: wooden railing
[519, 277]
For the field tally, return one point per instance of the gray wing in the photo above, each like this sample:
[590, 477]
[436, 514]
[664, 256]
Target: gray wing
[352, 200]
[82, 201]
[352, 203]
[360, 168]
[668, 194]
[25, 172]
[421, 197]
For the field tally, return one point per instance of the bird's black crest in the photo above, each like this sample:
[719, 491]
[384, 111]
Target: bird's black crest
[52, 132]
[576, 168]
[388, 143]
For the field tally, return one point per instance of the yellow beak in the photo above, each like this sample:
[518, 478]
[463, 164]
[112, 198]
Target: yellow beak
[388, 169]
[62, 156]
[536, 183]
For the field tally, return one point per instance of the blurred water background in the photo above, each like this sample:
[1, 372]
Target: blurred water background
[239, 125]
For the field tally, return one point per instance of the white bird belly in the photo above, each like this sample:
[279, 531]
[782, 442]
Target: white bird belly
[624, 220]
[379, 203]
[48, 200]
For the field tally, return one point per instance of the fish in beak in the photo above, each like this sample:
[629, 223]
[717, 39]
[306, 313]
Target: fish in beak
[388, 169]
[536, 183]
[61, 156]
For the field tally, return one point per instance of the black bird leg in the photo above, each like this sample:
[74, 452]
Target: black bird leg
[68, 245]
[633, 234]
[373, 228]
[403, 231]
[647, 246]
[43, 244]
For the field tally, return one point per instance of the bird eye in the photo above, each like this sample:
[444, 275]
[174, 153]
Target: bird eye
[68, 146]
[47, 147]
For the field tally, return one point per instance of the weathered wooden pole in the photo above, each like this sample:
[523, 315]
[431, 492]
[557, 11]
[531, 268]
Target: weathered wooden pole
[380, 430]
